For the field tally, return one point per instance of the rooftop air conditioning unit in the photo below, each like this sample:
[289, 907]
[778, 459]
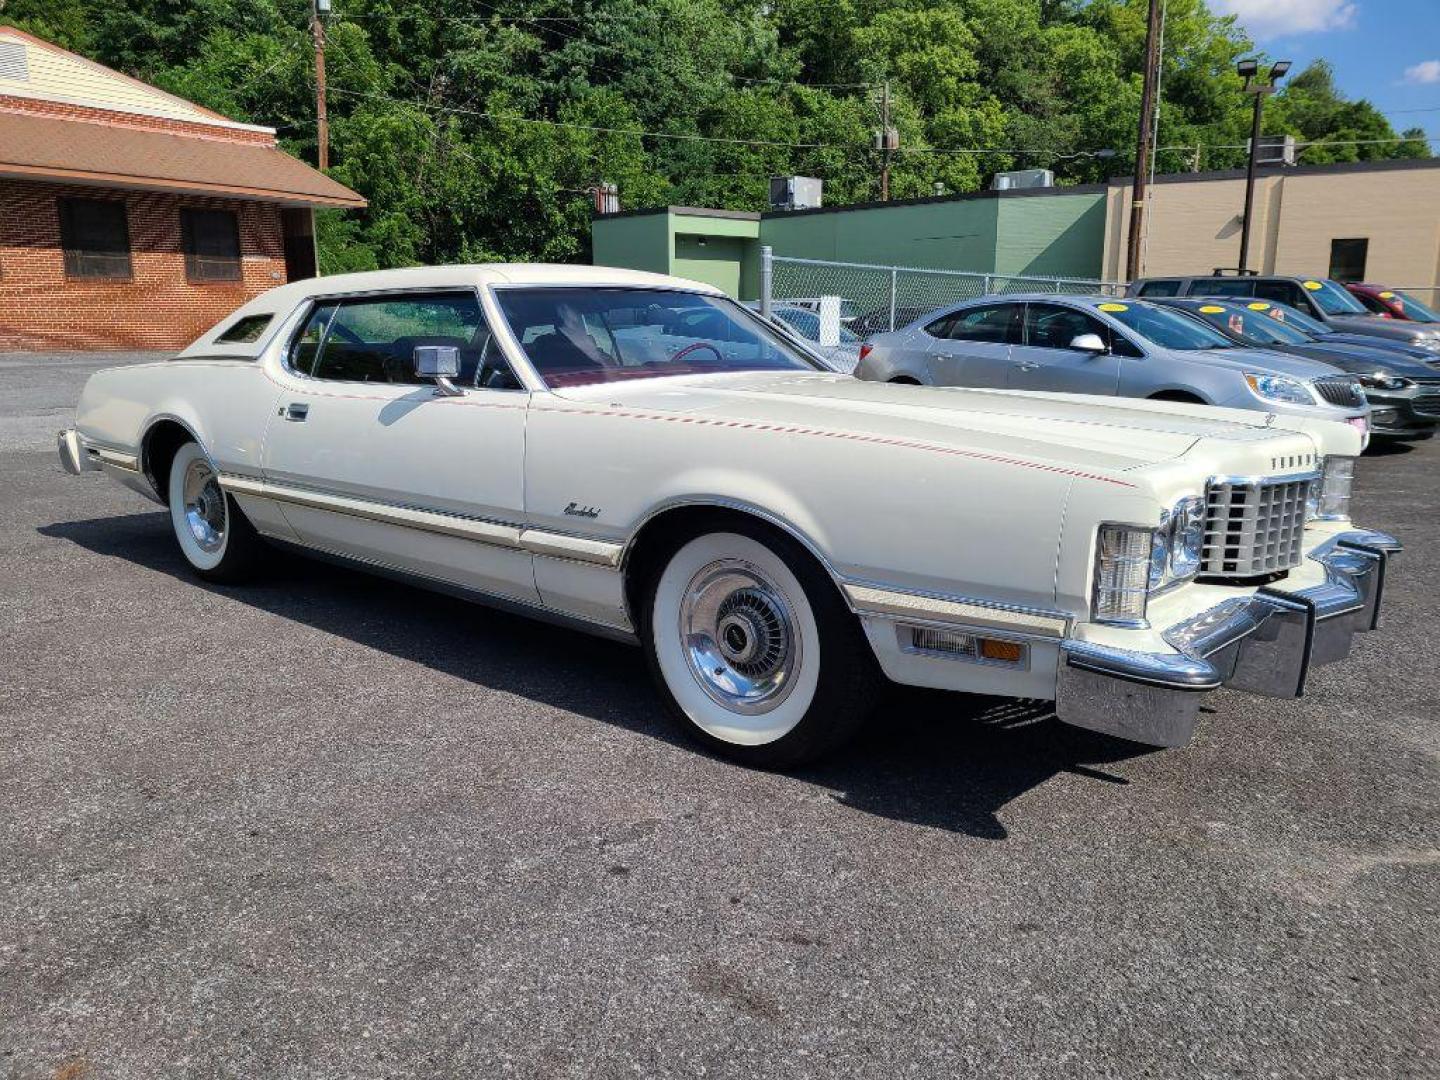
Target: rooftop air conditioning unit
[1274, 150]
[1023, 178]
[795, 192]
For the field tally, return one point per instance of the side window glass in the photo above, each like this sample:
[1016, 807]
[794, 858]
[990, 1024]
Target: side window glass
[1120, 345]
[307, 344]
[994, 324]
[1053, 326]
[940, 328]
[1226, 287]
[1285, 292]
[1168, 287]
[373, 340]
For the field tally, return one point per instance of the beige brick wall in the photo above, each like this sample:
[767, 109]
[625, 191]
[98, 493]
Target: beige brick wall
[1194, 226]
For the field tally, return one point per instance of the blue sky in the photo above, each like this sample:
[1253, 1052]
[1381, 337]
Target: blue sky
[1385, 50]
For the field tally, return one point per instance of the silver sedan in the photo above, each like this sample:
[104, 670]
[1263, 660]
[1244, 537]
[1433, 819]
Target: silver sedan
[1101, 345]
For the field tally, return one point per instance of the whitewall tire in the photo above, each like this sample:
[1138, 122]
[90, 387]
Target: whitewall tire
[754, 651]
[214, 536]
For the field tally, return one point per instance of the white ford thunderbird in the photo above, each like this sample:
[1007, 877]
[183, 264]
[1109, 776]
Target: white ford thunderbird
[640, 456]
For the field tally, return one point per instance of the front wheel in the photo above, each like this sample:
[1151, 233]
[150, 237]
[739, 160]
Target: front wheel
[216, 539]
[754, 651]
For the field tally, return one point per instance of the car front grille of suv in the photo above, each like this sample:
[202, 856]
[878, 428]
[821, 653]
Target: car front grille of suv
[1254, 527]
[1340, 390]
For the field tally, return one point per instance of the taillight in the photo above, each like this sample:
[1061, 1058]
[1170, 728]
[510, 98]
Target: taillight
[865, 350]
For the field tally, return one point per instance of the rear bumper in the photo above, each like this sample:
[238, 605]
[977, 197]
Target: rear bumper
[1265, 644]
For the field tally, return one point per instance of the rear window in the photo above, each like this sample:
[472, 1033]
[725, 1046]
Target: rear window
[1164, 287]
[246, 331]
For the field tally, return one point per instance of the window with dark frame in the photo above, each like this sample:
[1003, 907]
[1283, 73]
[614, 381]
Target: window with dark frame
[95, 237]
[1347, 259]
[211, 242]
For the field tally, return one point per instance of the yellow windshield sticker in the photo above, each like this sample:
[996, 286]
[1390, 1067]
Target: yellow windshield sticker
[1313, 286]
[1114, 307]
[1257, 306]
[1211, 309]
[1387, 296]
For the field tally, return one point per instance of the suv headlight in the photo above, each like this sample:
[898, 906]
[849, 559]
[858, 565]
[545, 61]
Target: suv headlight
[1132, 562]
[1330, 498]
[1279, 388]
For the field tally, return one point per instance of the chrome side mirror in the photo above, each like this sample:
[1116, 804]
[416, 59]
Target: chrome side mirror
[441, 363]
[1088, 343]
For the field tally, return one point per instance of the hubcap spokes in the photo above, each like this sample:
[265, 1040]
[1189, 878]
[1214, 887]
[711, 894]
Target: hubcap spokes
[204, 507]
[739, 636]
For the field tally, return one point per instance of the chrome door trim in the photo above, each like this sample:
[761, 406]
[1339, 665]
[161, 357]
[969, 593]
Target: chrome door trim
[479, 530]
[869, 599]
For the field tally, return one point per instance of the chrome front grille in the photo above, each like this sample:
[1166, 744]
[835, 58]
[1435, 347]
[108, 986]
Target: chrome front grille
[1340, 390]
[1254, 527]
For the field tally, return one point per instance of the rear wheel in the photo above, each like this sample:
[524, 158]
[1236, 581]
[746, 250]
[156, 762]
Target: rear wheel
[215, 537]
[753, 649]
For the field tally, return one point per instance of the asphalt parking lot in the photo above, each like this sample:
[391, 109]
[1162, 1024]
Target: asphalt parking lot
[329, 826]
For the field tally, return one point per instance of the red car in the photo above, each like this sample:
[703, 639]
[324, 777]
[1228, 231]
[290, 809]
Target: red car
[1391, 303]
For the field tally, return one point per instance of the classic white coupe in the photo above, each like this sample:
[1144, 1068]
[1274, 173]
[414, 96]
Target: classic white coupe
[642, 457]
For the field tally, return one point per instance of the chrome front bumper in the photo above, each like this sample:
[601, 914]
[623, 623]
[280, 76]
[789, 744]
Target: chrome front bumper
[1265, 643]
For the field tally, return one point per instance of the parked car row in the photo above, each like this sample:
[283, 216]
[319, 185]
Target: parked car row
[1170, 340]
[641, 457]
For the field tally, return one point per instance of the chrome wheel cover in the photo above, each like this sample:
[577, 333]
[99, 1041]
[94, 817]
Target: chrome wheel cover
[205, 512]
[739, 636]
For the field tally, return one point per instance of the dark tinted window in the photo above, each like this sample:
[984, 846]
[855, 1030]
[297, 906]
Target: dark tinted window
[1347, 259]
[576, 336]
[246, 330]
[1284, 292]
[1373, 303]
[211, 242]
[96, 238]
[1163, 287]
[940, 328]
[373, 340]
[996, 323]
[1224, 287]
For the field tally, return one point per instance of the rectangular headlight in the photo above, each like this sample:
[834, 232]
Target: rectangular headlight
[1332, 500]
[1122, 574]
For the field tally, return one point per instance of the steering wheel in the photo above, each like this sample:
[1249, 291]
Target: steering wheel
[688, 349]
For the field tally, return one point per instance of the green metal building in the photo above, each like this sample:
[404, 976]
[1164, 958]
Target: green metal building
[1048, 232]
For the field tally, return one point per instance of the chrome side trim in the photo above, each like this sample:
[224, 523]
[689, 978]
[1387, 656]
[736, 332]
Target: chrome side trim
[117, 459]
[868, 600]
[496, 533]
[567, 546]
[479, 530]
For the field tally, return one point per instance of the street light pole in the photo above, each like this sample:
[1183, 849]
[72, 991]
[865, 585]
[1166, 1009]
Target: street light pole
[1260, 90]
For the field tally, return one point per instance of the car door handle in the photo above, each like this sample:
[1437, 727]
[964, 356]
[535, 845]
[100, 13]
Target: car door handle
[297, 411]
[1026, 365]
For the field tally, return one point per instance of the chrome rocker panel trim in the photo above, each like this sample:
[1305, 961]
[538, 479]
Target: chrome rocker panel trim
[1264, 644]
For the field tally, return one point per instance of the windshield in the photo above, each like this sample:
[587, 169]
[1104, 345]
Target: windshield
[576, 336]
[1292, 317]
[1251, 326]
[1413, 309]
[807, 325]
[1169, 329]
[1334, 298]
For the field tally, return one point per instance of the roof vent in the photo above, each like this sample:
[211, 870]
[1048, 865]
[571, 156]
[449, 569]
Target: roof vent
[13, 63]
[1275, 150]
[1023, 178]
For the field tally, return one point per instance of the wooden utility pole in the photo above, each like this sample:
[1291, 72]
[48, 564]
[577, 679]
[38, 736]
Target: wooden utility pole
[322, 123]
[1143, 148]
[885, 142]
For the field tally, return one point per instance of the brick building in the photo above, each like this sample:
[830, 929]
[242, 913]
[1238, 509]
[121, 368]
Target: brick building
[130, 218]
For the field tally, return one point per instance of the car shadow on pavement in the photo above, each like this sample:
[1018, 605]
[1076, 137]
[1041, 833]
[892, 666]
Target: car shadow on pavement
[940, 760]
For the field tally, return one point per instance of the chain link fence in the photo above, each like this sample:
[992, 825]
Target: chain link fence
[874, 299]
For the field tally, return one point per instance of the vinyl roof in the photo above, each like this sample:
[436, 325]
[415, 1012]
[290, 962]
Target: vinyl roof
[84, 152]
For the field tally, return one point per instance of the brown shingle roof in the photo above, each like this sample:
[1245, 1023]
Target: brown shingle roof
[46, 148]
